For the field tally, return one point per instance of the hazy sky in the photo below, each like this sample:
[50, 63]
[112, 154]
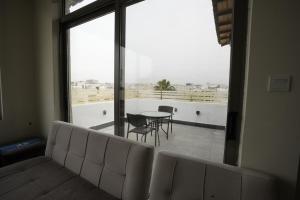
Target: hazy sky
[164, 39]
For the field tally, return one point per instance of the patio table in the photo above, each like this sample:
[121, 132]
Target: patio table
[156, 117]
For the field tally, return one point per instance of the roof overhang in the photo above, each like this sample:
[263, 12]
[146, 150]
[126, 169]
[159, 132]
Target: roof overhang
[223, 13]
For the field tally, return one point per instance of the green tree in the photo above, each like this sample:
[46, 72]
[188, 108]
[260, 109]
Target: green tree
[164, 85]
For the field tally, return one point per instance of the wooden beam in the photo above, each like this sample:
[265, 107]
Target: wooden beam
[224, 23]
[224, 40]
[217, 24]
[225, 31]
[225, 43]
[224, 12]
[224, 37]
[215, 4]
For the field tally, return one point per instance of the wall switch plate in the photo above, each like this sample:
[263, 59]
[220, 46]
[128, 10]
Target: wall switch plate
[279, 83]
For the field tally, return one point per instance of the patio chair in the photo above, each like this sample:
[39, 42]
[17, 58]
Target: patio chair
[140, 124]
[168, 109]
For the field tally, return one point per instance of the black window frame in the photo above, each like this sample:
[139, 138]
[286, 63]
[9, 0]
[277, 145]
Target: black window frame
[92, 11]
[236, 82]
[237, 65]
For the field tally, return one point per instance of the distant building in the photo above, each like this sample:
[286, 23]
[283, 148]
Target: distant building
[91, 81]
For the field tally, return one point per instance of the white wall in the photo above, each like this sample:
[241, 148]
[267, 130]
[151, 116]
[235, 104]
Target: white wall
[271, 127]
[210, 113]
[88, 115]
[29, 63]
[46, 24]
[18, 71]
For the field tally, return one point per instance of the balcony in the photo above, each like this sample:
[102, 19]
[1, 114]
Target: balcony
[199, 142]
[199, 115]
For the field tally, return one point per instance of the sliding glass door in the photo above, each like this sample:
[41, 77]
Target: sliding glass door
[91, 72]
[133, 56]
[173, 61]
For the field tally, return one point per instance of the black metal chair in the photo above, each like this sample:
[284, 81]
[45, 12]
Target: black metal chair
[168, 109]
[140, 124]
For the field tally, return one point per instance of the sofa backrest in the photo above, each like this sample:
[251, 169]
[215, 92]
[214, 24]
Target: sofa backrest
[178, 177]
[118, 166]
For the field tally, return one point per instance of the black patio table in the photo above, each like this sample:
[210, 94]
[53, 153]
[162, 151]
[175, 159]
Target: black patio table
[156, 117]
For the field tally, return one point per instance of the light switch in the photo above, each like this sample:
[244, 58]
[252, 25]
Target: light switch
[279, 83]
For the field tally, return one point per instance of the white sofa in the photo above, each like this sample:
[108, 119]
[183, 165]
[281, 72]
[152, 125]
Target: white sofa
[82, 164]
[179, 177]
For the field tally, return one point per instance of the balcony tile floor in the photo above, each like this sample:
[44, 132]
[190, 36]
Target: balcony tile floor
[203, 143]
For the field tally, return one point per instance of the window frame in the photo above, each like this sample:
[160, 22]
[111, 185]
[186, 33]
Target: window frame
[83, 15]
[236, 82]
[237, 65]
[1, 98]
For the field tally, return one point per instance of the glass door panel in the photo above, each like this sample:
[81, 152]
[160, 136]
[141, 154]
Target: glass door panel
[91, 71]
[172, 58]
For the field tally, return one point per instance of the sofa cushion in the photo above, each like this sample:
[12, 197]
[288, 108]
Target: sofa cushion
[21, 166]
[77, 148]
[94, 159]
[114, 171]
[258, 186]
[60, 139]
[138, 173]
[222, 184]
[76, 189]
[41, 178]
[180, 177]
[118, 166]
[34, 181]
[177, 179]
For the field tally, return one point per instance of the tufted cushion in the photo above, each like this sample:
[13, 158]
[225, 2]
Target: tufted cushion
[258, 186]
[94, 158]
[76, 189]
[34, 181]
[42, 179]
[114, 171]
[222, 183]
[76, 152]
[179, 177]
[19, 167]
[59, 142]
[51, 139]
[138, 173]
[117, 166]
